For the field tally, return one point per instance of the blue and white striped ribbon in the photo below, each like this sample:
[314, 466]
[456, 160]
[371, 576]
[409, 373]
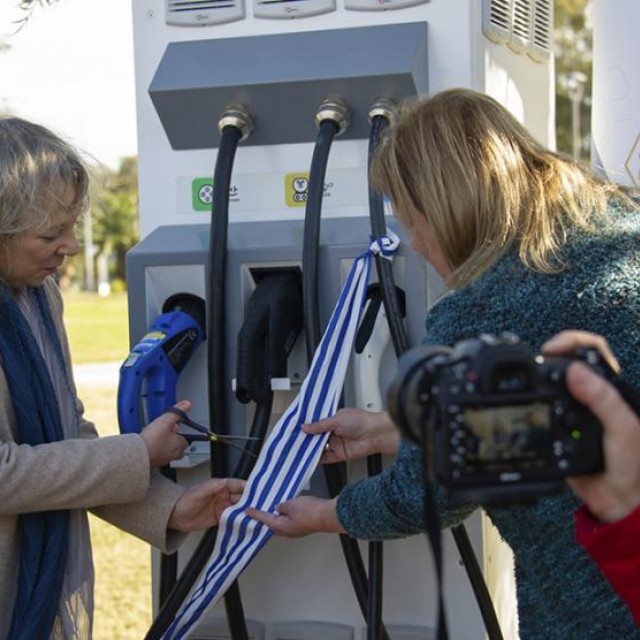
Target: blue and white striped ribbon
[288, 457]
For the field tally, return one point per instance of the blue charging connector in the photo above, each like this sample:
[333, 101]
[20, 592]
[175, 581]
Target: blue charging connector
[149, 374]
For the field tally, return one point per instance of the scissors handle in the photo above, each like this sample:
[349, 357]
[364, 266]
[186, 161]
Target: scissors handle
[207, 435]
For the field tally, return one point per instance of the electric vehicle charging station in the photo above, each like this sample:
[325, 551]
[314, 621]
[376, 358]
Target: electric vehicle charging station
[280, 61]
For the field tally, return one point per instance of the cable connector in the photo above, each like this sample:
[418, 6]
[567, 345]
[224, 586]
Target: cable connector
[382, 107]
[237, 116]
[334, 109]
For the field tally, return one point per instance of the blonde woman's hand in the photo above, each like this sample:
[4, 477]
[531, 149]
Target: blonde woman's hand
[300, 517]
[356, 433]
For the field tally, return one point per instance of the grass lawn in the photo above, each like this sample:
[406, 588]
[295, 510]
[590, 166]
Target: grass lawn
[98, 332]
[98, 327]
[122, 562]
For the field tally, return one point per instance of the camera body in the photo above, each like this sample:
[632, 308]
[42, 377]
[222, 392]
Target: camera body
[496, 421]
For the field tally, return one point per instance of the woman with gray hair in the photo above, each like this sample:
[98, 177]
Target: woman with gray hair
[53, 465]
[529, 243]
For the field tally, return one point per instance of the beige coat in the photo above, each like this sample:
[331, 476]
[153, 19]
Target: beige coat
[110, 476]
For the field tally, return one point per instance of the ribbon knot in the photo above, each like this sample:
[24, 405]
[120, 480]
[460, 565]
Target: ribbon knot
[385, 246]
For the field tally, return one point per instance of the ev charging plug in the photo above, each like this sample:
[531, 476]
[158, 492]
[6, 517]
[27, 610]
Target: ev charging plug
[149, 375]
[273, 320]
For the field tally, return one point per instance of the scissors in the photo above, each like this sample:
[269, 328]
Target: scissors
[207, 435]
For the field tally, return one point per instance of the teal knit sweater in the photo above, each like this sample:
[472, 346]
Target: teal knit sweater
[561, 593]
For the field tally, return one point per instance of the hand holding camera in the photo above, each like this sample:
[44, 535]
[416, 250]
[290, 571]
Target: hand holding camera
[498, 421]
[613, 495]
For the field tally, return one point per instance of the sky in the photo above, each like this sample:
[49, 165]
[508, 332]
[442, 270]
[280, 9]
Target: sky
[70, 68]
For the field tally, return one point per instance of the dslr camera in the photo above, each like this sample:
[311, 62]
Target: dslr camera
[495, 420]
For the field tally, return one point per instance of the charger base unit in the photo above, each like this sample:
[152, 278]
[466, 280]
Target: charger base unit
[214, 628]
[311, 630]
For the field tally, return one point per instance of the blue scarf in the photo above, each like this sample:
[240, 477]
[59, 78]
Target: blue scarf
[43, 535]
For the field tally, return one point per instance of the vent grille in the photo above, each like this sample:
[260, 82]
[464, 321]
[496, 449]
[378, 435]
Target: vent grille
[521, 26]
[496, 20]
[203, 12]
[194, 5]
[542, 30]
[291, 8]
[525, 26]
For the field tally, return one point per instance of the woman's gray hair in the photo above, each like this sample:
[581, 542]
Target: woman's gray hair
[34, 165]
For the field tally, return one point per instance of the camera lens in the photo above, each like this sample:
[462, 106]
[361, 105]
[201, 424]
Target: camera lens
[407, 397]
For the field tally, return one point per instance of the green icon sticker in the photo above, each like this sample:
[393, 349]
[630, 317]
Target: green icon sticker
[201, 194]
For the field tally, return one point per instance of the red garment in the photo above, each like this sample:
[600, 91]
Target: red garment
[616, 550]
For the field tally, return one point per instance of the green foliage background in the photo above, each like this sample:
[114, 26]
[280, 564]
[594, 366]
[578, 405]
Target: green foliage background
[114, 220]
[573, 48]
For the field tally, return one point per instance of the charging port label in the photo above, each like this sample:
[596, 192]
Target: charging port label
[296, 188]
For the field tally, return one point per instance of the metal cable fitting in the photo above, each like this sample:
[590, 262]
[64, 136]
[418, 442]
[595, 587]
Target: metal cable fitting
[382, 107]
[239, 117]
[336, 110]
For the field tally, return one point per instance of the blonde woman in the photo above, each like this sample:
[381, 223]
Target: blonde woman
[528, 242]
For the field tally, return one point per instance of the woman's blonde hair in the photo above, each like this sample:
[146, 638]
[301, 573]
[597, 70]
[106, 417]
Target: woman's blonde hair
[483, 183]
[34, 165]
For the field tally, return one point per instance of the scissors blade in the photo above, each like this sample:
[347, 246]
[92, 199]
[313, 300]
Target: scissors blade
[210, 435]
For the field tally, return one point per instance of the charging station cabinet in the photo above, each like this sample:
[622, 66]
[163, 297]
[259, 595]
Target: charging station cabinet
[279, 60]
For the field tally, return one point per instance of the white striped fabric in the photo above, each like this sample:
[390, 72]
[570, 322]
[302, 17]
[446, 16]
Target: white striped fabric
[288, 457]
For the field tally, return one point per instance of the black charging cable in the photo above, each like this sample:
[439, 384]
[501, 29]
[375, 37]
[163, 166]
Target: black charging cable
[380, 116]
[332, 119]
[379, 121]
[235, 124]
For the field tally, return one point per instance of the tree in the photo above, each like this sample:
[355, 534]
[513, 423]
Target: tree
[115, 225]
[114, 215]
[573, 44]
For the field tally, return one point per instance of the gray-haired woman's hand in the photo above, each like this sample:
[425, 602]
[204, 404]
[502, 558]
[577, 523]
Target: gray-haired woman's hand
[163, 439]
